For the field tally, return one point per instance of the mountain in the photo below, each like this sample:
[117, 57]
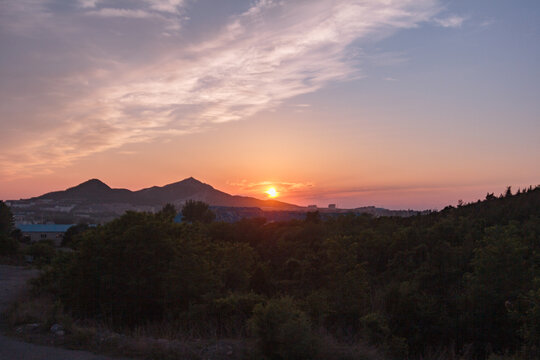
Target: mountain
[93, 190]
[96, 191]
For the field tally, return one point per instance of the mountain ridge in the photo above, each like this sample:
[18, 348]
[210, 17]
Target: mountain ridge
[95, 190]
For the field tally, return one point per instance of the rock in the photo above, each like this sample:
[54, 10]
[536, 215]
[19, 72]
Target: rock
[32, 327]
[27, 328]
[56, 328]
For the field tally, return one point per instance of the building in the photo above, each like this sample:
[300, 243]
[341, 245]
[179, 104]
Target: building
[312, 206]
[331, 206]
[38, 232]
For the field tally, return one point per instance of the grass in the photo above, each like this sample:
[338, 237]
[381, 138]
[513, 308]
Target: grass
[164, 340]
[158, 341]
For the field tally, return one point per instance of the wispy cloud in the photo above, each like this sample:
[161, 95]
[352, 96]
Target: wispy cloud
[169, 6]
[453, 21]
[487, 23]
[111, 12]
[124, 83]
[88, 3]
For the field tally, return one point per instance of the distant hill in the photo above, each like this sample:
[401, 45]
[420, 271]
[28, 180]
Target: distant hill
[96, 191]
[92, 190]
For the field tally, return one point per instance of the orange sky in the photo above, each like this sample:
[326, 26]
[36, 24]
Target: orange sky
[322, 166]
[414, 104]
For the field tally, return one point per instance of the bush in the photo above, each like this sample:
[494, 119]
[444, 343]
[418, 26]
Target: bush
[530, 328]
[234, 310]
[42, 251]
[70, 237]
[43, 310]
[377, 333]
[8, 245]
[282, 330]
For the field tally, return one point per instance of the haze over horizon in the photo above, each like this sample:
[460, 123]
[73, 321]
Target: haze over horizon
[398, 104]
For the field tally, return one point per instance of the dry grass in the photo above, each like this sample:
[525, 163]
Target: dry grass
[160, 341]
[330, 349]
[164, 341]
[42, 310]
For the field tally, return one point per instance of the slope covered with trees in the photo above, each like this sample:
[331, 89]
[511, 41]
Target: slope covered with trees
[465, 280]
[8, 233]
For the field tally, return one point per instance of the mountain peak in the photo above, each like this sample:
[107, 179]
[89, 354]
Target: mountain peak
[93, 184]
[191, 179]
[188, 183]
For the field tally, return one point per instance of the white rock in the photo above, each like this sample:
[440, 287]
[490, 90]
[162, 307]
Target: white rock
[56, 327]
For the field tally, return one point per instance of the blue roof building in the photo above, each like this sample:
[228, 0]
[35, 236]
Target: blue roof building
[38, 232]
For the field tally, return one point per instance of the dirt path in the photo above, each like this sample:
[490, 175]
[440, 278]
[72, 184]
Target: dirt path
[13, 284]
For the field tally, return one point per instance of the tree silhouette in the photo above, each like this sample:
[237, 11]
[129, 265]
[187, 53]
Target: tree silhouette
[6, 219]
[168, 212]
[197, 211]
[313, 217]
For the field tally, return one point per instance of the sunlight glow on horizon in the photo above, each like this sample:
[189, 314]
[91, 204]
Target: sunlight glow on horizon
[272, 193]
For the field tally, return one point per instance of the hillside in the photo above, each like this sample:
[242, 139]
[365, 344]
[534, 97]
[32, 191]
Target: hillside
[462, 283]
[93, 190]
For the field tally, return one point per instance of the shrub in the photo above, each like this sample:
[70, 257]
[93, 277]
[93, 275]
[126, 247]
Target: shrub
[8, 245]
[282, 330]
[42, 251]
[530, 328]
[43, 310]
[70, 237]
[377, 333]
[234, 310]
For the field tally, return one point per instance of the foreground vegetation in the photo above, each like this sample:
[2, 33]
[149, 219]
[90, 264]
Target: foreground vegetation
[460, 283]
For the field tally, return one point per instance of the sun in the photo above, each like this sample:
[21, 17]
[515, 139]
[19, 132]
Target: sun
[272, 193]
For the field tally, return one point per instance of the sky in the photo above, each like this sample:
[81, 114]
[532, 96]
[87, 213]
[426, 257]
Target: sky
[404, 104]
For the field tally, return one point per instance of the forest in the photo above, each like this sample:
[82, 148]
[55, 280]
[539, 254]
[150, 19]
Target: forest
[464, 280]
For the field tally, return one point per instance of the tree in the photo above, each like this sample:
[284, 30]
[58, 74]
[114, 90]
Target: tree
[168, 213]
[313, 217]
[283, 331]
[8, 245]
[72, 232]
[197, 211]
[6, 219]
[502, 270]
[135, 269]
